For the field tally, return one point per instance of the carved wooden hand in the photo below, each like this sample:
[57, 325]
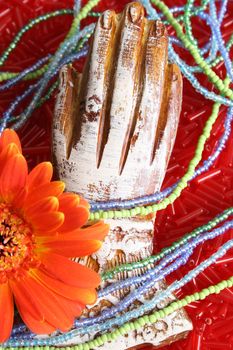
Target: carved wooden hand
[113, 133]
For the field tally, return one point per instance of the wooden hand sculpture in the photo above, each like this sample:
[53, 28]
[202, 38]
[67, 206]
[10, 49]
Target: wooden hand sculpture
[113, 133]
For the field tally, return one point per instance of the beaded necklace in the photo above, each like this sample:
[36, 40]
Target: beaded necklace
[139, 311]
[188, 41]
[154, 274]
[147, 319]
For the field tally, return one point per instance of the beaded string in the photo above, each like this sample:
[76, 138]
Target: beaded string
[9, 75]
[65, 47]
[153, 275]
[153, 259]
[211, 59]
[165, 199]
[27, 27]
[186, 68]
[20, 76]
[197, 11]
[175, 9]
[217, 82]
[20, 98]
[82, 323]
[66, 60]
[146, 319]
[146, 307]
[216, 29]
[210, 95]
[46, 16]
[43, 82]
[33, 72]
[166, 251]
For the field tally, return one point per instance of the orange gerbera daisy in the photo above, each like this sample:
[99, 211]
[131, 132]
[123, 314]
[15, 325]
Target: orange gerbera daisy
[40, 229]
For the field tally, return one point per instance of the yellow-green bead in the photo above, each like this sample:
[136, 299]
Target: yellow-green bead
[133, 212]
[92, 216]
[127, 327]
[153, 318]
[118, 214]
[97, 216]
[110, 214]
[105, 215]
[137, 325]
[119, 332]
[141, 321]
[104, 338]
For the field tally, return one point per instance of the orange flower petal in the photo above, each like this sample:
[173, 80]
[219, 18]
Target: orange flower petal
[24, 299]
[75, 217]
[84, 202]
[13, 177]
[96, 231]
[40, 175]
[37, 326]
[45, 205]
[19, 199]
[44, 223]
[73, 307]
[6, 312]
[54, 188]
[9, 136]
[68, 271]
[74, 248]
[83, 295]
[8, 152]
[70, 199]
[50, 305]
[76, 214]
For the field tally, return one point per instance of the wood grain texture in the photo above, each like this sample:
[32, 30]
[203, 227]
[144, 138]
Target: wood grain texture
[113, 133]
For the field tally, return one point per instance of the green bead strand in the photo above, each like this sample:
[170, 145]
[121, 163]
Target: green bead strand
[28, 26]
[143, 320]
[213, 77]
[187, 22]
[81, 15]
[152, 259]
[37, 73]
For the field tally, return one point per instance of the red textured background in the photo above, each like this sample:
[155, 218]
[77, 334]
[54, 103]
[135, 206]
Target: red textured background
[208, 195]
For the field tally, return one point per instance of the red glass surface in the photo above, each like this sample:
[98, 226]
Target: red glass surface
[205, 197]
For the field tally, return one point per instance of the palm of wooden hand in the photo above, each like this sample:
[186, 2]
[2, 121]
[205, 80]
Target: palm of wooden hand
[116, 124]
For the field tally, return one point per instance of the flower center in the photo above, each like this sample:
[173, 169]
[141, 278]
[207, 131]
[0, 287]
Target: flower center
[16, 243]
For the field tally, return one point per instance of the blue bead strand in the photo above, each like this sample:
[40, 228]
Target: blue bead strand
[26, 71]
[203, 229]
[66, 48]
[183, 251]
[148, 306]
[7, 115]
[216, 30]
